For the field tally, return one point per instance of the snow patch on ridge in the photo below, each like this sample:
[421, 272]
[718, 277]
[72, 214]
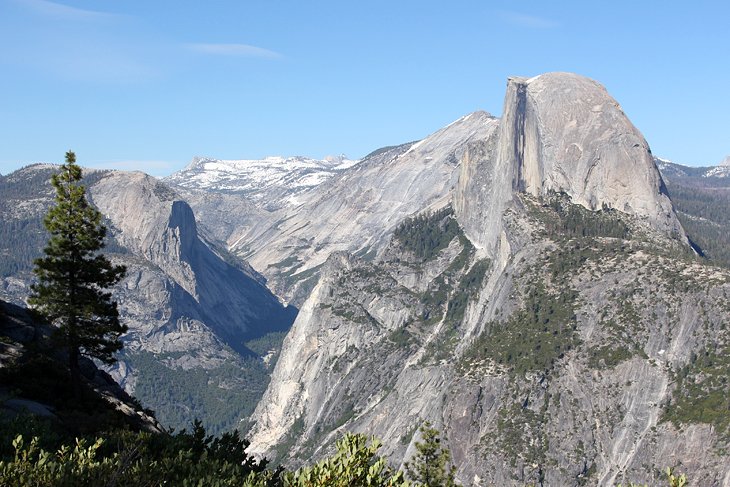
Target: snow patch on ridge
[274, 181]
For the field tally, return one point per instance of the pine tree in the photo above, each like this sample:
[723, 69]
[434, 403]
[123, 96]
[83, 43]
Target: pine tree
[73, 276]
[429, 467]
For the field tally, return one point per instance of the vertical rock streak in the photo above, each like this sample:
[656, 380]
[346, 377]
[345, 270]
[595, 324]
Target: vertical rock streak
[518, 136]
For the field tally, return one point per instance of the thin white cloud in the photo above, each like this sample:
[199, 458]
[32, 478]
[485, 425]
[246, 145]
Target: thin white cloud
[243, 50]
[529, 21]
[61, 11]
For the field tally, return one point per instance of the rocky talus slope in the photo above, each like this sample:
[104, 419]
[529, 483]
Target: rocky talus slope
[546, 312]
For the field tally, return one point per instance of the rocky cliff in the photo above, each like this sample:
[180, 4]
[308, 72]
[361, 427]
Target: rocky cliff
[357, 210]
[556, 325]
[190, 305]
[561, 132]
[229, 218]
[152, 222]
[584, 360]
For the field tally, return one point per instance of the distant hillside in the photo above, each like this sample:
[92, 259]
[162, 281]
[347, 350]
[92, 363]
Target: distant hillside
[701, 196]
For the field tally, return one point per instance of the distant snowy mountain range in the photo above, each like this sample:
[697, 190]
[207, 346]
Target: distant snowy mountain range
[670, 168]
[272, 182]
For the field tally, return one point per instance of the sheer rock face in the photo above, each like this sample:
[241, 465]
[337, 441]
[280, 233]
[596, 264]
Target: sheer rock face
[367, 353]
[561, 132]
[199, 290]
[569, 135]
[229, 218]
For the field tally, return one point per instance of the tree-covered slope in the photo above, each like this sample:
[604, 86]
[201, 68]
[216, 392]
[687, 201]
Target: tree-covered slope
[703, 206]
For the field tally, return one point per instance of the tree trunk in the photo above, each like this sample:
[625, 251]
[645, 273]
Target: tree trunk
[75, 371]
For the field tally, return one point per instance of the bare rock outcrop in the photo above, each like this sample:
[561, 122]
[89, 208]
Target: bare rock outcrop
[154, 223]
[561, 132]
[558, 368]
[548, 341]
[357, 210]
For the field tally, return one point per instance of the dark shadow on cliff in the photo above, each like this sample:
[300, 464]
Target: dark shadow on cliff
[234, 304]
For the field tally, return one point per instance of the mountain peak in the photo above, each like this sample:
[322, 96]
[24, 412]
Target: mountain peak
[562, 132]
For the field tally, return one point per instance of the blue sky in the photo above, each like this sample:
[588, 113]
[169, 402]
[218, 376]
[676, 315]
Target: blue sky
[141, 84]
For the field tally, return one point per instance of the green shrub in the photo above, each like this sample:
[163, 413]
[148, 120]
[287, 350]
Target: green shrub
[534, 337]
[702, 392]
[355, 464]
[137, 459]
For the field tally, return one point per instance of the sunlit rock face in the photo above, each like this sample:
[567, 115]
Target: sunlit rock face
[357, 209]
[566, 232]
[561, 132]
[153, 222]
